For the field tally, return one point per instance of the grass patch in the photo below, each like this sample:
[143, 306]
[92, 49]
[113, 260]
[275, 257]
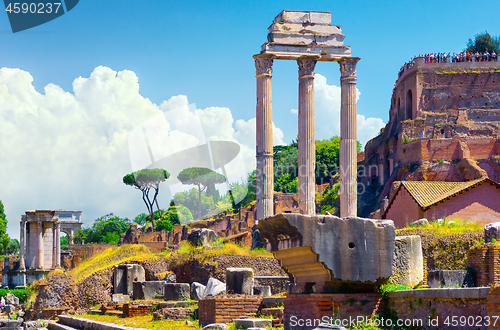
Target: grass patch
[446, 228]
[144, 321]
[187, 251]
[109, 258]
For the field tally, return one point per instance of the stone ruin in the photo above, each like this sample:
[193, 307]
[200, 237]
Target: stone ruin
[40, 245]
[323, 252]
[307, 37]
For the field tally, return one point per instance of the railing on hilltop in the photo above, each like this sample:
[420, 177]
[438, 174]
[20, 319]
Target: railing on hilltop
[420, 61]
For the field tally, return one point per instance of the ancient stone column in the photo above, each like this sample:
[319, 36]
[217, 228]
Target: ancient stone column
[58, 245]
[40, 245]
[22, 265]
[264, 123]
[307, 152]
[54, 245]
[348, 136]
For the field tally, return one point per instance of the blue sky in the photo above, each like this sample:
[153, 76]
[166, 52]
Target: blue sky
[196, 49]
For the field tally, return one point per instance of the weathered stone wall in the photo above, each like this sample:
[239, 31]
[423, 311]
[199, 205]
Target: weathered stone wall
[441, 111]
[194, 270]
[96, 289]
[57, 292]
[434, 308]
[306, 311]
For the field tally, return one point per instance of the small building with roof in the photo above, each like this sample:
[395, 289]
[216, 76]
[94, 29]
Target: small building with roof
[477, 200]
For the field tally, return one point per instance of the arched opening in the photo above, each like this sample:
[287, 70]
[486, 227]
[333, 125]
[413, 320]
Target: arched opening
[64, 237]
[409, 105]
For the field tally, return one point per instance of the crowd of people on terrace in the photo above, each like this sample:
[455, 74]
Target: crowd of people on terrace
[450, 58]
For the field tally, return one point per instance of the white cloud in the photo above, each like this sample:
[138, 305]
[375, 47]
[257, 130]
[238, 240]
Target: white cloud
[327, 108]
[70, 150]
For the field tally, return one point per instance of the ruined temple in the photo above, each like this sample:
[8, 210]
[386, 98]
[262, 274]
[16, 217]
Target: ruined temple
[443, 126]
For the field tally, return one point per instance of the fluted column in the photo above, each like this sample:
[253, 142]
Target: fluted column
[22, 265]
[40, 245]
[348, 136]
[58, 245]
[54, 245]
[307, 152]
[264, 123]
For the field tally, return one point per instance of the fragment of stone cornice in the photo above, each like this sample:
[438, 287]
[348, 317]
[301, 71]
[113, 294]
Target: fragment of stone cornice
[294, 34]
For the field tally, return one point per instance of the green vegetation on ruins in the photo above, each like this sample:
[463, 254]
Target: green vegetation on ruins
[137, 252]
[445, 245]
[110, 257]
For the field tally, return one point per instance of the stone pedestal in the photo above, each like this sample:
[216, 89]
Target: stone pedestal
[348, 136]
[307, 152]
[239, 281]
[177, 291]
[264, 123]
[408, 265]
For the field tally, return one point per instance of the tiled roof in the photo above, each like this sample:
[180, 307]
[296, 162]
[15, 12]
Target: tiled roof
[428, 193]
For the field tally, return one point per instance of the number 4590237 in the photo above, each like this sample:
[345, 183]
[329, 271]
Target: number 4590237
[33, 8]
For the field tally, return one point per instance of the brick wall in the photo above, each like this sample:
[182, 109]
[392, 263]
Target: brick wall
[306, 311]
[486, 261]
[493, 307]
[137, 308]
[225, 309]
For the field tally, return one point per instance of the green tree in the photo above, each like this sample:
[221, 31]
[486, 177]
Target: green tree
[106, 229]
[64, 241]
[190, 200]
[142, 219]
[166, 220]
[12, 247]
[145, 180]
[483, 42]
[182, 214]
[202, 178]
[327, 159]
[286, 163]
[4, 238]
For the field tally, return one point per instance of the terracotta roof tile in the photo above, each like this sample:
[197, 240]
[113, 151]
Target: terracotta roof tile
[428, 193]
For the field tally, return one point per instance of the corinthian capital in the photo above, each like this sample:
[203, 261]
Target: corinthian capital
[348, 69]
[263, 65]
[306, 66]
